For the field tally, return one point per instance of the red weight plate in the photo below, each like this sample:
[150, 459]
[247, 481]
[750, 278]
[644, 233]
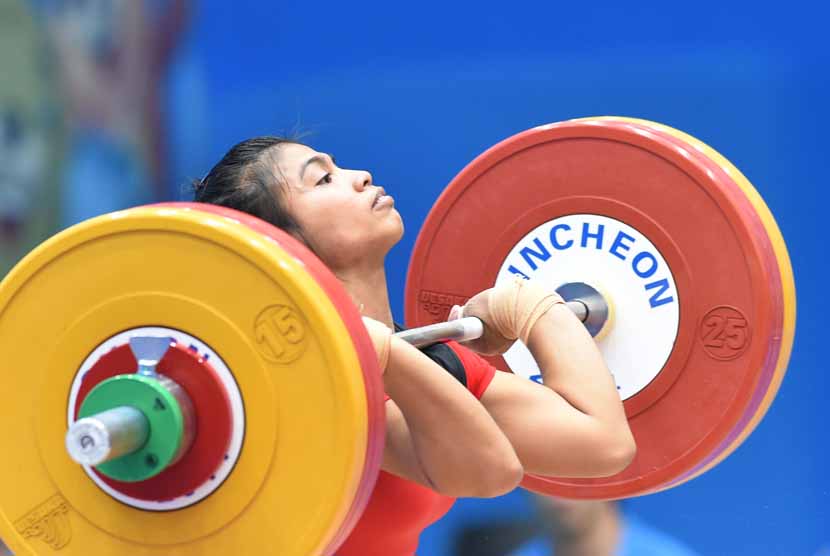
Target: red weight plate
[694, 220]
[365, 352]
[210, 404]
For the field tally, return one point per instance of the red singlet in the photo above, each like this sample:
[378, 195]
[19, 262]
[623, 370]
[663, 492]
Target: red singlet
[399, 510]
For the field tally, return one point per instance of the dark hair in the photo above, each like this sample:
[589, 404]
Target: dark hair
[247, 179]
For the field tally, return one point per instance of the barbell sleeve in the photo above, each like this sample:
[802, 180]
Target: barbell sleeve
[107, 435]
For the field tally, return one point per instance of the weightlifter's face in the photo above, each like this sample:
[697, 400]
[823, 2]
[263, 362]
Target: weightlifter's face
[347, 219]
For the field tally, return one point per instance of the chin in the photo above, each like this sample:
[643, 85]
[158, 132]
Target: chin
[384, 242]
[400, 225]
[396, 233]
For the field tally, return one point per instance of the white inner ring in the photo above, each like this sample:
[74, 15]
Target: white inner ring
[230, 386]
[627, 269]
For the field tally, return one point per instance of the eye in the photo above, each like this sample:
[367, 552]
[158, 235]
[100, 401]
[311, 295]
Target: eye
[325, 179]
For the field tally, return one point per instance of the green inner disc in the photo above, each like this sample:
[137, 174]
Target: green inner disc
[163, 413]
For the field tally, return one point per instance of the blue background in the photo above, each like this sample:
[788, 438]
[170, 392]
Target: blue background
[413, 91]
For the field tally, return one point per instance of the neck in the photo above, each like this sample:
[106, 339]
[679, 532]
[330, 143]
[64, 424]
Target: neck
[367, 287]
[599, 537]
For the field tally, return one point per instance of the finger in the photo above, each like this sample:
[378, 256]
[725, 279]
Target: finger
[455, 313]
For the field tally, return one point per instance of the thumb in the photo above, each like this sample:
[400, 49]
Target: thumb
[455, 313]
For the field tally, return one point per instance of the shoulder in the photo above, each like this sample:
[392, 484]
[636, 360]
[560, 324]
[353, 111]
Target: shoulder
[469, 368]
[478, 373]
[448, 358]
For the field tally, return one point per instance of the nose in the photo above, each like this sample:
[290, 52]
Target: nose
[362, 180]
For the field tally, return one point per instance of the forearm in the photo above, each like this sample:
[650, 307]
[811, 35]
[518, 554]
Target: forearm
[572, 366]
[574, 425]
[457, 444]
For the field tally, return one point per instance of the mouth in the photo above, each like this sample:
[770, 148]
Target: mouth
[379, 194]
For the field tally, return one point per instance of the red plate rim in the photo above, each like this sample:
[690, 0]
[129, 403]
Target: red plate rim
[773, 269]
[360, 338]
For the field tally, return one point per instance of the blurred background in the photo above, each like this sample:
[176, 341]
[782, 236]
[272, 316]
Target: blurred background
[106, 104]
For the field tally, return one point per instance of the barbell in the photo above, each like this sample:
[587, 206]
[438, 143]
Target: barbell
[216, 383]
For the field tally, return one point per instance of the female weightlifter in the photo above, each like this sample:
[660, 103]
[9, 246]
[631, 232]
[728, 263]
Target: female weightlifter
[455, 426]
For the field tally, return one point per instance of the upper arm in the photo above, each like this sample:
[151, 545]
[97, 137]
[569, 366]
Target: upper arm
[399, 456]
[549, 435]
[433, 434]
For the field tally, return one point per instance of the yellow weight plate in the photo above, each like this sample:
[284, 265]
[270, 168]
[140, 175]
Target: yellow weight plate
[216, 279]
[785, 270]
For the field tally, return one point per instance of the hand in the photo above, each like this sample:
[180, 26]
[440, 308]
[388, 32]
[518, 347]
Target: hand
[381, 337]
[509, 310]
[491, 341]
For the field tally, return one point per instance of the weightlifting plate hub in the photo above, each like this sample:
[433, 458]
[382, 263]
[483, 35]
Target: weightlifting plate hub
[212, 393]
[603, 254]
